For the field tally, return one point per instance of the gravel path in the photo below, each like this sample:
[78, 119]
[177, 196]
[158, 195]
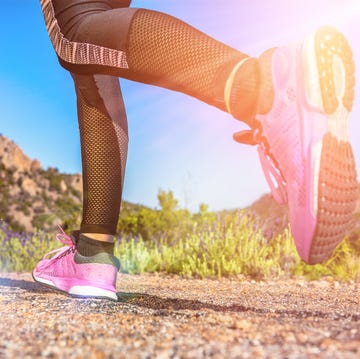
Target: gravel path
[161, 316]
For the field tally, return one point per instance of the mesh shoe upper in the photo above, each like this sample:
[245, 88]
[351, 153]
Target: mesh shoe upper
[67, 271]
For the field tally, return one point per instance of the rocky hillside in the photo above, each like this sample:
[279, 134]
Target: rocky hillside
[32, 198]
[271, 217]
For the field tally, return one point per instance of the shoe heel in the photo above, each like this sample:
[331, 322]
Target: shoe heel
[336, 68]
[329, 71]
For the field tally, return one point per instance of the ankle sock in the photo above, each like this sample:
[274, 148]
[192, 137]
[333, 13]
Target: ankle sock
[242, 90]
[90, 247]
[249, 89]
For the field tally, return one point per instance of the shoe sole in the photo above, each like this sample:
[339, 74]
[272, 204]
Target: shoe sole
[80, 291]
[330, 88]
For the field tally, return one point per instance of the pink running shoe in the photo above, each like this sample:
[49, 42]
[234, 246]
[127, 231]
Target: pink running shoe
[79, 276]
[304, 144]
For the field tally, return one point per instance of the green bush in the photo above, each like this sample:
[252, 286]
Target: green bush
[21, 253]
[41, 220]
[167, 223]
[235, 250]
[173, 240]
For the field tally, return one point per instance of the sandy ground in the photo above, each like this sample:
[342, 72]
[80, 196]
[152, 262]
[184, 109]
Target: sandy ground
[161, 316]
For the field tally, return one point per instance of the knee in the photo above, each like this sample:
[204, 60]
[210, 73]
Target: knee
[87, 89]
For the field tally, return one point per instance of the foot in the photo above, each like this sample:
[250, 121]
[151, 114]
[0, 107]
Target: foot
[303, 139]
[78, 275]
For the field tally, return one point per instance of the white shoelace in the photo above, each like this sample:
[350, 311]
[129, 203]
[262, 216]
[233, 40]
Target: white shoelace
[63, 238]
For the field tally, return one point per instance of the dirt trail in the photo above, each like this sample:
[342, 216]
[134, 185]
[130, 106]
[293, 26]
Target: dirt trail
[160, 316]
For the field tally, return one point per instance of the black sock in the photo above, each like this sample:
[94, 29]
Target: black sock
[89, 247]
[244, 92]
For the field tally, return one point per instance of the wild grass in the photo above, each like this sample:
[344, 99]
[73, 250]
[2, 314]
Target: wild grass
[213, 252]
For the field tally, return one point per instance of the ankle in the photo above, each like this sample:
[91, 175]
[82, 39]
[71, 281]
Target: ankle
[88, 246]
[100, 237]
[242, 90]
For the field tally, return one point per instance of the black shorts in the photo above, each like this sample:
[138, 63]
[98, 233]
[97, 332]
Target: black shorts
[80, 49]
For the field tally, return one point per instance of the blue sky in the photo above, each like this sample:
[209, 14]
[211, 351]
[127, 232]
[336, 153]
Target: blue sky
[176, 142]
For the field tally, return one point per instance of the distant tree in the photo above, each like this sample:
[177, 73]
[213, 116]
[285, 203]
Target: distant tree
[167, 201]
[167, 223]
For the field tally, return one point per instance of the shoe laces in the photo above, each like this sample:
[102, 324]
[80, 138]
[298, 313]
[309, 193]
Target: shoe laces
[270, 167]
[69, 247]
